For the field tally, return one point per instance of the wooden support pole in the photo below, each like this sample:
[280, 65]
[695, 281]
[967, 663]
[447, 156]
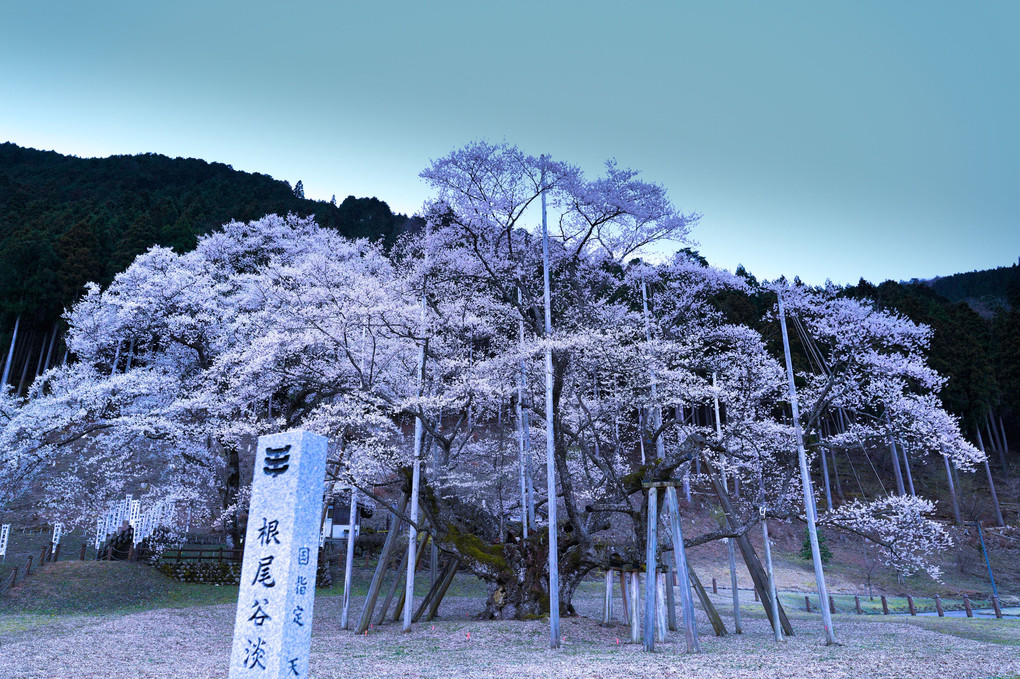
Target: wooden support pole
[715, 587]
[401, 600]
[999, 443]
[624, 597]
[635, 624]
[349, 563]
[885, 606]
[755, 592]
[713, 615]
[651, 549]
[996, 608]
[910, 605]
[670, 600]
[938, 606]
[952, 492]
[758, 575]
[991, 484]
[967, 607]
[423, 606]
[832, 604]
[380, 569]
[857, 605]
[807, 603]
[660, 606]
[81, 557]
[734, 590]
[401, 569]
[443, 586]
[607, 599]
[772, 604]
[680, 557]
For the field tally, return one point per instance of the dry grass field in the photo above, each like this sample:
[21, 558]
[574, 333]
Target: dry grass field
[154, 628]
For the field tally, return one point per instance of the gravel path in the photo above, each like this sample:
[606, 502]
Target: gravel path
[195, 642]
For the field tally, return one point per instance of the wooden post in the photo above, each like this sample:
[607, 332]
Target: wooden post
[885, 606]
[832, 605]
[349, 565]
[380, 569]
[670, 599]
[423, 606]
[402, 599]
[952, 492]
[991, 484]
[635, 625]
[715, 587]
[938, 606]
[28, 566]
[651, 549]
[995, 606]
[758, 574]
[713, 615]
[607, 599]
[967, 606]
[660, 605]
[624, 597]
[443, 586]
[680, 557]
[81, 557]
[807, 603]
[755, 594]
[857, 604]
[910, 605]
[772, 606]
[405, 551]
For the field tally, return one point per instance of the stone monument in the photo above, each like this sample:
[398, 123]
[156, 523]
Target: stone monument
[273, 624]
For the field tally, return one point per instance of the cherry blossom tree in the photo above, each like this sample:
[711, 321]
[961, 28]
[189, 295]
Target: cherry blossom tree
[185, 358]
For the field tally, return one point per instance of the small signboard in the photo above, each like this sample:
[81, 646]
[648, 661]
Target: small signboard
[5, 533]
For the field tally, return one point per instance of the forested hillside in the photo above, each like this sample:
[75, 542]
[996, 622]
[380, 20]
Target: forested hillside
[979, 356]
[986, 291]
[65, 221]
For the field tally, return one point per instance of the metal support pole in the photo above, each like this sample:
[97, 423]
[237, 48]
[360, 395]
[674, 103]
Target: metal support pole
[809, 504]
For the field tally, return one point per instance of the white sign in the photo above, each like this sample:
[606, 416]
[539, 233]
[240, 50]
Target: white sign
[273, 625]
[101, 523]
[5, 532]
[58, 530]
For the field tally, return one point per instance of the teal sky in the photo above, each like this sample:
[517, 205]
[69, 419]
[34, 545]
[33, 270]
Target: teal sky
[875, 139]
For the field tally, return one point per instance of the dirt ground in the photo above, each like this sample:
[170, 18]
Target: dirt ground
[195, 642]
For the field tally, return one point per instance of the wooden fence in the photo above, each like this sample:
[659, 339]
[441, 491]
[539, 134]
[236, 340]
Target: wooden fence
[218, 555]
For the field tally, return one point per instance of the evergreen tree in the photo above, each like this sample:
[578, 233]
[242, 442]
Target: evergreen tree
[823, 548]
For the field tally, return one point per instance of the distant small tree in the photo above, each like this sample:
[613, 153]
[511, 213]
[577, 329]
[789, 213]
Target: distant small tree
[805, 549]
[299, 189]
